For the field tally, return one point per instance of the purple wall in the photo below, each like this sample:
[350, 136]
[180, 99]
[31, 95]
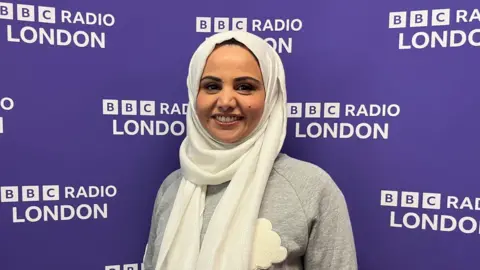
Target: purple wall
[97, 119]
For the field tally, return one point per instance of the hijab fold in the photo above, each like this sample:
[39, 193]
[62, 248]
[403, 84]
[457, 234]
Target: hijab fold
[204, 161]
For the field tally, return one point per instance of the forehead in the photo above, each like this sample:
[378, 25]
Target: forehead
[232, 58]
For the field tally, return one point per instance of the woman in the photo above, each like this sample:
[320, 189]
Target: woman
[237, 202]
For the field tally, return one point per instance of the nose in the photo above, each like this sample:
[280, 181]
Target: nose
[226, 99]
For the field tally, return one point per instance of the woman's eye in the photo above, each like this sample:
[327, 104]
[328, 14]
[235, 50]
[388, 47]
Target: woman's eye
[212, 86]
[245, 87]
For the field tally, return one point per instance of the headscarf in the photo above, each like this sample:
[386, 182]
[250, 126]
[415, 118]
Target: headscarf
[204, 161]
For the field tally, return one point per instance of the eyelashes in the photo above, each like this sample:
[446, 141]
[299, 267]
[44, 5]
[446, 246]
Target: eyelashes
[211, 86]
[214, 86]
[246, 86]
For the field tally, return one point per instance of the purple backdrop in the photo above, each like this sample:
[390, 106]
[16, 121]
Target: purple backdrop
[381, 96]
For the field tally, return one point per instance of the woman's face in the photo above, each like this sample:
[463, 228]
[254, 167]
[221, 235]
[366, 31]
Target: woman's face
[231, 94]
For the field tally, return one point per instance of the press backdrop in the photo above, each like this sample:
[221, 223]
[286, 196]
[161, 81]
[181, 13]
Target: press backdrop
[382, 95]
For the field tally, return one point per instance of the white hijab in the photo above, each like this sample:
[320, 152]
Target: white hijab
[227, 243]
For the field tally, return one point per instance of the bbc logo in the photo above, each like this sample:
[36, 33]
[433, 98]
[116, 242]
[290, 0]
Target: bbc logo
[27, 13]
[411, 199]
[314, 110]
[220, 24]
[419, 18]
[29, 193]
[133, 266]
[128, 107]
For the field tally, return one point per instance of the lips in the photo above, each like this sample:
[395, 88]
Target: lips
[227, 120]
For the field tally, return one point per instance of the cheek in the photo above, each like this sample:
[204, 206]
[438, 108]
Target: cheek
[202, 104]
[256, 108]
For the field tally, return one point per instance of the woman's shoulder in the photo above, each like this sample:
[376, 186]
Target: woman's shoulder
[313, 186]
[302, 172]
[170, 184]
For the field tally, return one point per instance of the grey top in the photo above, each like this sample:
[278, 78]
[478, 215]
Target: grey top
[305, 206]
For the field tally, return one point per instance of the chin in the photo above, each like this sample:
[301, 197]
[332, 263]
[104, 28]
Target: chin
[228, 140]
[227, 136]
[233, 138]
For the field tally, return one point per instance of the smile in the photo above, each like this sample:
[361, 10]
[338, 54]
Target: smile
[221, 119]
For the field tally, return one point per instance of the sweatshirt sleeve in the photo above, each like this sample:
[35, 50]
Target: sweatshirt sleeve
[152, 236]
[330, 241]
[152, 247]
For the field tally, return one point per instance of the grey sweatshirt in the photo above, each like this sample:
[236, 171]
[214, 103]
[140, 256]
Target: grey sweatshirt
[305, 206]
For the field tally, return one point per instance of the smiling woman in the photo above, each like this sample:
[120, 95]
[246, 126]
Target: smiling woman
[237, 203]
[231, 96]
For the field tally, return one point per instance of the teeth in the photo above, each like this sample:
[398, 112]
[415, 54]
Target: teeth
[226, 119]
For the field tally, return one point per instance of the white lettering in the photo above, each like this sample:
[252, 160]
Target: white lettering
[10, 38]
[433, 223]
[78, 18]
[61, 212]
[466, 203]
[467, 225]
[443, 223]
[452, 202]
[63, 209]
[372, 110]
[6, 104]
[69, 192]
[462, 16]
[88, 18]
[150, 127]
[57, 37]
[342, 130]
[175, 110]
[277, 25]
[409, 225]
[280, 45]
[15, 216]
[473, 226]
[392, 221]
[65, 16]
[401, 43]
[443, 39]
[33, 217]
[90, 192]
[297, 131]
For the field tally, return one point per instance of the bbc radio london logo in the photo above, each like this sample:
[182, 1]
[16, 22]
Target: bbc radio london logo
[45, 25]
[130, 266]
[47, 203]
[140, 117]
[286, 27]
[6, 105]
[431, 211]
[436, 28]
[335, 120]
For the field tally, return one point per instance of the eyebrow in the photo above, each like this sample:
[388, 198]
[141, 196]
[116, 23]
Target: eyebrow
[247, 78]
[244, 78]
[211, 78]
